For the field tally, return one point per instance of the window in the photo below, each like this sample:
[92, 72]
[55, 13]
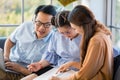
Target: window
[115, 22]
[14, 12]
[10, 11]
[30, 6]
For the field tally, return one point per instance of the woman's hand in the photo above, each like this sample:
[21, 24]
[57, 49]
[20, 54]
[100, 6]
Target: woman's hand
[54, 78]
[57, 78]
[65, 67]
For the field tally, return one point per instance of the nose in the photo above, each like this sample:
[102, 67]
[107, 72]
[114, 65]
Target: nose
[67, 35]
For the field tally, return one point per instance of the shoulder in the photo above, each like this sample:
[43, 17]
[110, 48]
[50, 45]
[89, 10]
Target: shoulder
[97, 38]
[25, 27]
[58, 36]
[27, 24]
[100, 39]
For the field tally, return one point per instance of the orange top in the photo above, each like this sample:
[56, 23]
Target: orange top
[98, 62]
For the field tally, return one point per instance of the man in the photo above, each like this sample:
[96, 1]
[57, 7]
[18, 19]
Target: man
[27, 43]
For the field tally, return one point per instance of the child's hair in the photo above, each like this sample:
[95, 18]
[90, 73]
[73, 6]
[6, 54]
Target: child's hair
[60, 19]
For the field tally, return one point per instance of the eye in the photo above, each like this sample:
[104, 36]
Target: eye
[47, 25]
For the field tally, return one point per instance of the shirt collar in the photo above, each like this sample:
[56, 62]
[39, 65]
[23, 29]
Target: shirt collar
[46, 38]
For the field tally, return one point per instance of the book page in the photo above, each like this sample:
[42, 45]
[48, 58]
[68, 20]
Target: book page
[52, 72]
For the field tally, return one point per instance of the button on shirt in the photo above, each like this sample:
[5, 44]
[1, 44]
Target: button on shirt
[62, 50]
[27, 47]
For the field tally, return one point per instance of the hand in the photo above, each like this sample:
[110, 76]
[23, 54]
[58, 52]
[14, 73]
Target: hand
[64, 67]
[34, 67]
[54, 78]
[57, 78]
[13, 66]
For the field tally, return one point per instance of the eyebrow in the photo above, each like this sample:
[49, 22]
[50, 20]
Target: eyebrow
[42, 22]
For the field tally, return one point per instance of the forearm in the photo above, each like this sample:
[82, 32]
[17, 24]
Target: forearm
[8, 45]
[25, 71]
[44, 63]
[75, 64]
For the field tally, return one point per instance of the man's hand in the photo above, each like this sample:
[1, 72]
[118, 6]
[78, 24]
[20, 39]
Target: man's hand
[34, 67]
[14, 66]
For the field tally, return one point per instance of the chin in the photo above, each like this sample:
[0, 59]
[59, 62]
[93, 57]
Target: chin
[41, 36]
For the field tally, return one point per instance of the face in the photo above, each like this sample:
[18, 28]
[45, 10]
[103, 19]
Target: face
[67, 32]
[78, 29]
[42, 24]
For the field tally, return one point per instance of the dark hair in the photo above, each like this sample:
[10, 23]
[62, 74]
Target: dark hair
[48, 9]
[60, 19]
[83, 17]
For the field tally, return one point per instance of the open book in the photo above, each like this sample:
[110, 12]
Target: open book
[52, 72]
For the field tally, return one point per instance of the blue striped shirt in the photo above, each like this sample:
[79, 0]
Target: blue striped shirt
[27, 47]
[62, 50]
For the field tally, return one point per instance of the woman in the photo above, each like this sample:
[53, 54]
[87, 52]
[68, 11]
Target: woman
[96, 48]
[63, 47]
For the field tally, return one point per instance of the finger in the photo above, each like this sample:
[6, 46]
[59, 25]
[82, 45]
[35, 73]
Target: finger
[52, 78]
[59, 70]
[30, 68]
[9, 67]
[7, 64]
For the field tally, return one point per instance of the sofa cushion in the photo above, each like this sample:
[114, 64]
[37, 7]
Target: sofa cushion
[2, 42]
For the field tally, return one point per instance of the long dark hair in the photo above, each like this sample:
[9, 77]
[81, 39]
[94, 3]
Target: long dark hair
[83, 17]
[60, 19]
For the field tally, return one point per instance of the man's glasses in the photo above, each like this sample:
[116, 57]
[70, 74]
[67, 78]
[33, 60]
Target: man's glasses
[46, 25]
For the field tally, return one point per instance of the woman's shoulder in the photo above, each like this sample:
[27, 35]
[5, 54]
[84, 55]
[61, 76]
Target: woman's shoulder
[100, 38]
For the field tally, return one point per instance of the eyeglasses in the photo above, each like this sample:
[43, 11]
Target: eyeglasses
[46, 25]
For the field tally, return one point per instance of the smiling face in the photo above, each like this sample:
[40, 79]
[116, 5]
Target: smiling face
[42, 24]
[78, 29]
[67, 32]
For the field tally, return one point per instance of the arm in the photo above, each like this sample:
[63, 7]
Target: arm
[17, 67]
[38, 65]
[8, 45]
[25, 71]
[93, 61]
[66, 66]
[76, 65]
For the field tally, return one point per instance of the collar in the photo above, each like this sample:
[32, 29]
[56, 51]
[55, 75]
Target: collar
[46, 38]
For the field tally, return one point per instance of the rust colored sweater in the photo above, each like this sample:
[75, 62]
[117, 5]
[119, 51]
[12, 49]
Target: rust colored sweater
[98, 62]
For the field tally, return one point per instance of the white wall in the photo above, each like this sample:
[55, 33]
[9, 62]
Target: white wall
[98, 7]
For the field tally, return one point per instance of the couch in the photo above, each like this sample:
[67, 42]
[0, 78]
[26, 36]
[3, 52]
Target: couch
[2, 42]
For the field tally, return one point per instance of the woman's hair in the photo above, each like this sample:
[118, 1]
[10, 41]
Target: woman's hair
[83, 17]
[60, 19]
